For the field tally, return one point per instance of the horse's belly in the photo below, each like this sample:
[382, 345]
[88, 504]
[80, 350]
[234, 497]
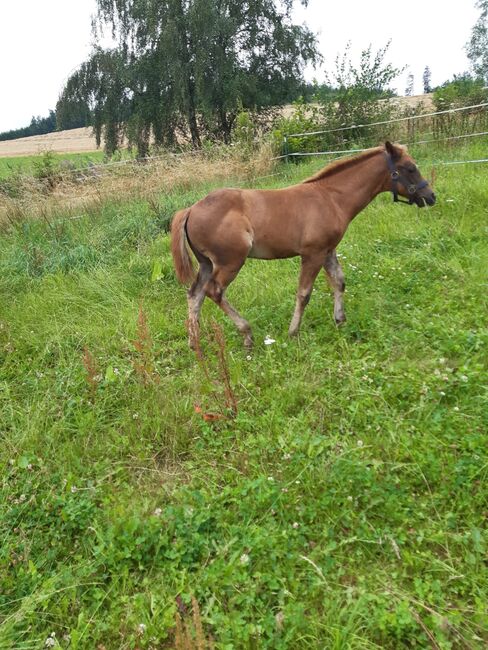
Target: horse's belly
[266, 251]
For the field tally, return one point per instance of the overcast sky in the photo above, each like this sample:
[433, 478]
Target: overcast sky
[42, 42]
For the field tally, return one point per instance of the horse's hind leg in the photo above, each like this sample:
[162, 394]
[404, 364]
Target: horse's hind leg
[196, 296]
[215, 289]
[308, 272]
[335, 276]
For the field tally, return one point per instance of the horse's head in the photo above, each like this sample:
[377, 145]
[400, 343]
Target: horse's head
[405, 178]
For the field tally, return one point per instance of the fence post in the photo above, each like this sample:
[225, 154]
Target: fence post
[285, 147]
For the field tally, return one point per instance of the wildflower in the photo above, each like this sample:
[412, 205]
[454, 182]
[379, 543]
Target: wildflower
[456, 408]
[286, 456]
[244, 559]
[295, 524]
[270, 479]
[158, 512]
[141, 628]
[74, 489]
[135, 416]
[249, 358]
[360, 443]
[349, 498]
[463, 378]
[116, 371]
[442, 393]
[268, 340]
[51, 640]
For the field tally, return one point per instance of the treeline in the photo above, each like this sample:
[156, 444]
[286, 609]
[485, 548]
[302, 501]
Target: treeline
[38, 126]
[42, 125]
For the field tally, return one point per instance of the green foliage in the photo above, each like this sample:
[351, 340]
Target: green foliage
[243, 55]
[304, 119]
[353, 95]
[244, 130]
[463, 90]
[477, 47]
[427, 79]
[345, 505]
[361, 94]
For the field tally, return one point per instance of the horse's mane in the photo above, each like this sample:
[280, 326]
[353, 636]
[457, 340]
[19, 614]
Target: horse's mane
[342, 163]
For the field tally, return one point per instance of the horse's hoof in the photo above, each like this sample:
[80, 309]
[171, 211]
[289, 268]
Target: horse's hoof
[248, 343]
[340, 321]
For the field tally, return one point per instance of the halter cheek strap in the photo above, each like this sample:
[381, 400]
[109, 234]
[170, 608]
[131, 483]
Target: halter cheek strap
[396, 178]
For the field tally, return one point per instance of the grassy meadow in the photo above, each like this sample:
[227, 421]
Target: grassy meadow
[29, 164]
[343, 507]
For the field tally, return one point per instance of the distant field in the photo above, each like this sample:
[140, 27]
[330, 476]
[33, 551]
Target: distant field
[74, 140]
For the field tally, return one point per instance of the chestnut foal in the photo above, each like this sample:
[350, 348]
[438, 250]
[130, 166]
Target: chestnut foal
[308, 219]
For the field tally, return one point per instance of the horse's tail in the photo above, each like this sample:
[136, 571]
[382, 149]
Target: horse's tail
[179, 249]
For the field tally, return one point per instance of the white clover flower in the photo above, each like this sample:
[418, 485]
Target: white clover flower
[244, 559]
[270, 479]
[158, 512]
[141, 628]
[360, 443]
[74, 489]
[268, 340]
[349, 498]
[249, 358]
[295, 524]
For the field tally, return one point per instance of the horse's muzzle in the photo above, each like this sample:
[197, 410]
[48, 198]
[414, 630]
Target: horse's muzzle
[424, 200]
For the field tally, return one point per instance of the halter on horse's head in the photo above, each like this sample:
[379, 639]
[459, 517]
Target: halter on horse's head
[406, 179]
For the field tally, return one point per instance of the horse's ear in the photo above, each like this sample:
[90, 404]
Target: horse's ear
[394, 152]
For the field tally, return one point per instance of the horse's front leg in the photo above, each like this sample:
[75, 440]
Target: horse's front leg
[335, 276]
[310, 268]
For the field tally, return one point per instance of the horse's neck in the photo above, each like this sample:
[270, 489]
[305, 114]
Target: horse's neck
[358, 184]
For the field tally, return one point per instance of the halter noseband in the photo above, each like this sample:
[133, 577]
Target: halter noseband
[396, 178]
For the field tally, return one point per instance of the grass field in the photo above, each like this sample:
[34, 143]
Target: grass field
[344, 507]
[27, 164]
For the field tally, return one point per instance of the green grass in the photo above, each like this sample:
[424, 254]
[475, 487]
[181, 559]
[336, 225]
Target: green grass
[344, 507]
[27, 164]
